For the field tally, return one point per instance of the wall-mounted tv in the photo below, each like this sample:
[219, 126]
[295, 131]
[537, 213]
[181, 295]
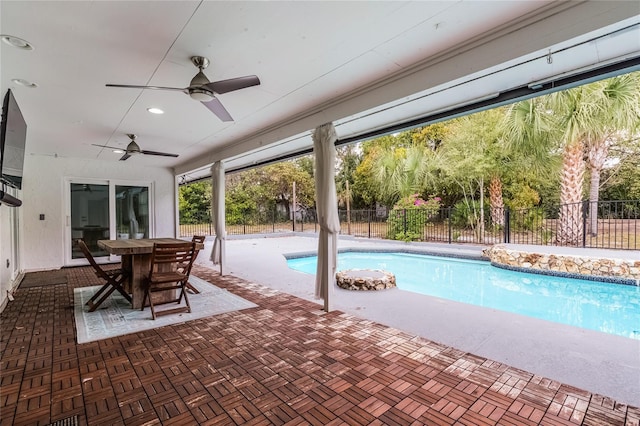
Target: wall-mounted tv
[13, 137]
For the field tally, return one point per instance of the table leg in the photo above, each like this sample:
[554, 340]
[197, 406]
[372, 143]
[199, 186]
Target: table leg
[125, 262]
[138, 266]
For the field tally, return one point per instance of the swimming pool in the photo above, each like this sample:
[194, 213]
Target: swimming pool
[606, 307]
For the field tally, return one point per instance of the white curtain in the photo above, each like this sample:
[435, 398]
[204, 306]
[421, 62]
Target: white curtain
[324, 138]
[218, 215]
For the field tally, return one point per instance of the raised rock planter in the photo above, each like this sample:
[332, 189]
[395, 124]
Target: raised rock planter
[566, 262]
[365, 279]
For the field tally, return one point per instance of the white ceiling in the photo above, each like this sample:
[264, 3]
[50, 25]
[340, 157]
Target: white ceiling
[317, 61]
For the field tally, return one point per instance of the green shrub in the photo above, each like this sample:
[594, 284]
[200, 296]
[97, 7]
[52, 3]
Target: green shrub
[408, 217]
[527, 219]
[465, 215]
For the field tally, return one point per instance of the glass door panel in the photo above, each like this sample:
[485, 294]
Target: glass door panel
[132, 212]
[89, 217]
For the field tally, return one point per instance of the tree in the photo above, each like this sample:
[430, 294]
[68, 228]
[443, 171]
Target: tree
[531, 137]
[279, 180]
[364, 183]
[194, 202]
[261, 189]
[471, 155]
[241, 196]
[621, 180]
[348, 159]
[365, 180]
[495, 200]
[431, 136]
[595, 117]
[401, 172]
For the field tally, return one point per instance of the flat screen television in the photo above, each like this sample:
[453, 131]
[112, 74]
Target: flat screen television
[13, 137]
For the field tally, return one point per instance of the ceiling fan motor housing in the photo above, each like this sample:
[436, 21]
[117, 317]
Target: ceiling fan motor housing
[196, 89]
[133, 148]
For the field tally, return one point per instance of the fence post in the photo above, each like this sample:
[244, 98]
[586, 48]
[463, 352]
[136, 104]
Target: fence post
[404, 221]
[585, 207]
[449, 220]
[369, 222]
[507, 225]
[273, 220]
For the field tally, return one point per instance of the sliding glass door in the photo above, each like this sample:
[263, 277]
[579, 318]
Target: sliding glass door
[89, 217]
[98, 210]
[132, 212]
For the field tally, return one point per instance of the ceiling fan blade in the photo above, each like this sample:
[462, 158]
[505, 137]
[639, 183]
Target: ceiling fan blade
[107, 146]
[129, 86]
[164, 154]
[216, 107]
[225, 86]
[125, 156]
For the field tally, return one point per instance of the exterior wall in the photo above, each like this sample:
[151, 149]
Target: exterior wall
[44, 193]
[582, 264]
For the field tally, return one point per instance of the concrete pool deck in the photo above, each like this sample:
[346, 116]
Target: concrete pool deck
[597, 362]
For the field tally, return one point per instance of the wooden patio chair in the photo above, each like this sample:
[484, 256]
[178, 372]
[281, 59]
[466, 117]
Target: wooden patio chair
[198, 239]
[169, 272]
[114, 279]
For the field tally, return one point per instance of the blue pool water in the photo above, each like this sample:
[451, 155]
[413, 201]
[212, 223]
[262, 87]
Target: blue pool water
[607, 307]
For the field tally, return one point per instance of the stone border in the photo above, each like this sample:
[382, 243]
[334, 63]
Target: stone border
[365, 279]
[616, 271]
[595, 278]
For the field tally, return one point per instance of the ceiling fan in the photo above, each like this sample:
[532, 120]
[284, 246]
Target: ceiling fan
[203, 90]
[134, 148]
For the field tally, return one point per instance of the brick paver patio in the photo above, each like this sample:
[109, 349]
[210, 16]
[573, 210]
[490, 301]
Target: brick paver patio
[284, 362]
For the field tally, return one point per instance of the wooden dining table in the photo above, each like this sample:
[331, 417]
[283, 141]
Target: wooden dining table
[136, 260]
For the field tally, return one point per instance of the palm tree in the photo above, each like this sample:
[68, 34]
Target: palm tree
[581, 121]
[401, 172]
[570, 231]
[495, 200]
[530, 137]
[593, 117]
[529, 134]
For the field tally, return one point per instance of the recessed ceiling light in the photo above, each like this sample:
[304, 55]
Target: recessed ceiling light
[118, 151]
[25, 83]
[16, 42]
[155, 110]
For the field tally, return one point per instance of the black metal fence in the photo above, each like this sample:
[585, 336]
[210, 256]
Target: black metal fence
[606, 224]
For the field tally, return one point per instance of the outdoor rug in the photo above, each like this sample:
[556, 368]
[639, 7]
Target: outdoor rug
[116, 317]
[37, 279]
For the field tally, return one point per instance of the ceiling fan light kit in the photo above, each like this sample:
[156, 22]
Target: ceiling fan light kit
[203, 90]
[200, 94]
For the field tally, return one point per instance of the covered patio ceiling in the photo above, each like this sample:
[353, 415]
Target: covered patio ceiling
[362, 65]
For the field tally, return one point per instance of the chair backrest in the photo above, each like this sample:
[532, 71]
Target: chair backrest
[196, 239]
[87, 253]
[176, 257]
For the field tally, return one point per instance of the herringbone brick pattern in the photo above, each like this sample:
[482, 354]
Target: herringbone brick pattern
[284, 362]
